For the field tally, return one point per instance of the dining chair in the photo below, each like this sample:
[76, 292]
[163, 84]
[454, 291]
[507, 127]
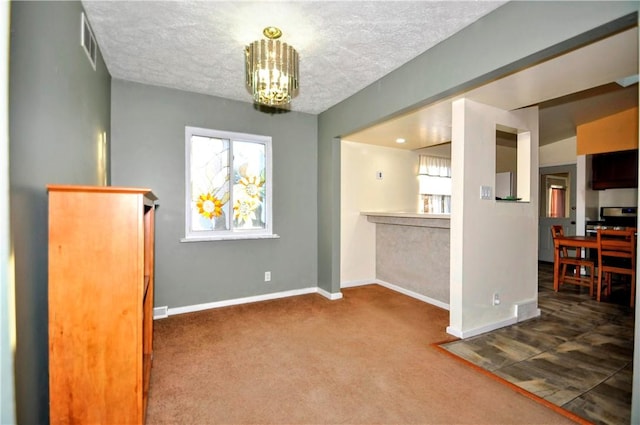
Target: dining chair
[616, 255]
[565, 260]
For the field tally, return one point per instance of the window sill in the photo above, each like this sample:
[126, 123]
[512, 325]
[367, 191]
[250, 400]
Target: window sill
[230, 238]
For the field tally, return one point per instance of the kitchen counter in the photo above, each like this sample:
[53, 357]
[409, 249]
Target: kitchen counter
[441, 221]
[412, 252]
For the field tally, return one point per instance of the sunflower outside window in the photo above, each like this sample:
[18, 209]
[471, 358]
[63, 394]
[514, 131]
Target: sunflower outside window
[228, 187]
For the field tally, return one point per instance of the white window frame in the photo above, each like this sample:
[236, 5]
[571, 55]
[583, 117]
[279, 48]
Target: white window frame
[231, 234]
[88, 41]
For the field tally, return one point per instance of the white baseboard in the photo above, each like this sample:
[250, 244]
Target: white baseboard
[526, 310]
[237, 301]
[412, 294]
[330, 295]
[522, 311]
[454, 331]
[354, 283]
[407, 292]
[482, 329]
[160, 312]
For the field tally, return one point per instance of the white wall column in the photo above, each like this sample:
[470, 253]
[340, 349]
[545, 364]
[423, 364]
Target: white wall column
[494, 244]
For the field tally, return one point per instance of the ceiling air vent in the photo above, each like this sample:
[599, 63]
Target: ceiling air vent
[88, 41]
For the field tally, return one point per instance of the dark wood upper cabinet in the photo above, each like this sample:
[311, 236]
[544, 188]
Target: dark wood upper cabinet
[615, 170]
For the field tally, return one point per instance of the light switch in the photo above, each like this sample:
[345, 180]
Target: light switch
[379, 175]
[485, 192]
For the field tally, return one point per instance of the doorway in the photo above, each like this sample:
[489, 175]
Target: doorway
[557, 206]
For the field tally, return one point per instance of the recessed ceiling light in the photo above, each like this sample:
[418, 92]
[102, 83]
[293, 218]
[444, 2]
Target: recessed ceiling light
[400, 140]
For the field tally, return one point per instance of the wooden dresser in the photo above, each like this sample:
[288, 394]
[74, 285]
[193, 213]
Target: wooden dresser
[101, 249]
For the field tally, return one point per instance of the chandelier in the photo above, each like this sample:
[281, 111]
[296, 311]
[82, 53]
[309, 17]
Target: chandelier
[272, 69]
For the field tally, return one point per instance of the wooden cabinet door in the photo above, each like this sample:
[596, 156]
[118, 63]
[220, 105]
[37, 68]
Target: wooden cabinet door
[615, 170]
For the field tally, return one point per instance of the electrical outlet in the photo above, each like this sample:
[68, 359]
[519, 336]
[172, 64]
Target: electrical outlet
[267, 276]
[496, 298]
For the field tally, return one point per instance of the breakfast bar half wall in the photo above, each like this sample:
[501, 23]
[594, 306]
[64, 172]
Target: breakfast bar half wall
[412, 254]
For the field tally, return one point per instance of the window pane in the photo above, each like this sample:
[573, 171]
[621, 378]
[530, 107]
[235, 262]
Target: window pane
[555, 195]
[209, 184]
[249, 180]
[228, 185]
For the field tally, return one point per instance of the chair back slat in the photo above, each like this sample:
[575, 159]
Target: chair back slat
[616, 254]
[618, 243]
[570, 268]
[558, 231]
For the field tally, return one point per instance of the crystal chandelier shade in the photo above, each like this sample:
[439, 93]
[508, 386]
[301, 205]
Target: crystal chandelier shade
[272, 70]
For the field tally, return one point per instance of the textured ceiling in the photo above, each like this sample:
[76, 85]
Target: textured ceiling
[571, 89]
[344, 46]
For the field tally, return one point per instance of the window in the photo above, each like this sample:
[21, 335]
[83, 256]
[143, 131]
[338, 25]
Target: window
[228, 185]
[434, 182]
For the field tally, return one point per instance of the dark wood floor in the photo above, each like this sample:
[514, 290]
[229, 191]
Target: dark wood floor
[577, 355]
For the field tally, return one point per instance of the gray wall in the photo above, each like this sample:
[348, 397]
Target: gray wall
[148, 150]
[58, 107]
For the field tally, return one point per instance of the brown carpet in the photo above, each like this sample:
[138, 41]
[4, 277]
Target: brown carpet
[365, 359]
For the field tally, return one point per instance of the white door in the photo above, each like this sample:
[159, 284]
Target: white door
[557, 197]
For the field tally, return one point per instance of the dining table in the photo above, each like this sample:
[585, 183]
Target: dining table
[575, 242]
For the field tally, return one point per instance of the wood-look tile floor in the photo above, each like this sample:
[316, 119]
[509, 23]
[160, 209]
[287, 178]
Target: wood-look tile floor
[578, 354]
